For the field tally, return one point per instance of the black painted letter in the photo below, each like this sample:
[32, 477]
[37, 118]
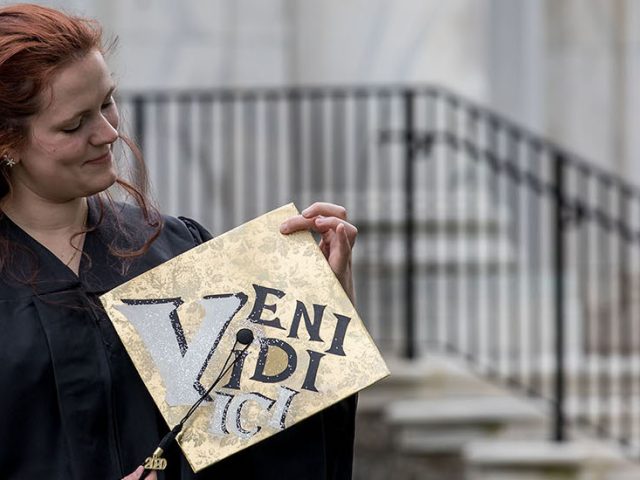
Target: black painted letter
[338, 335]
[292, 361]
[313, 328]
[312, 371]
[259, 306]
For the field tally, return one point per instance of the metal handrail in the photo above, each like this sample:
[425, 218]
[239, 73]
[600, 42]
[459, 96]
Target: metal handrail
[542, 297]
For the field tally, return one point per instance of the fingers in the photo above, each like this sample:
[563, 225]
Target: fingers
[305, 220]
[340, 260]
[297, 223]
[326, 210]
[340, 255]
[137, 474]
[324, 224]
[318, 224]
[337, 237]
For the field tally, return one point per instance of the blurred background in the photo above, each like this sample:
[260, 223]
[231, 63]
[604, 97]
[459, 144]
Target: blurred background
[568, 69]
[487, 152]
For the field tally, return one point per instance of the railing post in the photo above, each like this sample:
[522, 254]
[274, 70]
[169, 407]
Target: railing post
[559, 270]
[409, 153]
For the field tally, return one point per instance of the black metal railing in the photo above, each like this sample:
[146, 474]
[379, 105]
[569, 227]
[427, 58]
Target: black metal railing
[477, 238]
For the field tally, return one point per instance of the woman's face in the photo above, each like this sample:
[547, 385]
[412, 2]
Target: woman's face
[68, 151]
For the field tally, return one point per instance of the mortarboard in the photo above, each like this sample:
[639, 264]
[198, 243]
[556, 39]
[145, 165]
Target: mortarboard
[259, 314]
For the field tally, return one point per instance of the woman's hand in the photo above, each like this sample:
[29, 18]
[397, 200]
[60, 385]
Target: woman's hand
[337, 237]
[136, 475]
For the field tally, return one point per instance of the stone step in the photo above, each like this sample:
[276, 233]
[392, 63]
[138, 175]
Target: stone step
[446, 425]
[441, 376]
[378, 455]
[431, 418]
[627, 471]
[540, 460]
[433, 376]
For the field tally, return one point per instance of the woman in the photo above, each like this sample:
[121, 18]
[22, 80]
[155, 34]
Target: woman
[72, 405]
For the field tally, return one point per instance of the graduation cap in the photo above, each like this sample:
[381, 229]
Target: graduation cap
[242, 337]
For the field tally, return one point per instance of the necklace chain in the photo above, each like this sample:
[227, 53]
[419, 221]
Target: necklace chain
[76, 248]
[75, 253]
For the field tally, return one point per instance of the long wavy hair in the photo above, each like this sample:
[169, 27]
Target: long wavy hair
[36, 42]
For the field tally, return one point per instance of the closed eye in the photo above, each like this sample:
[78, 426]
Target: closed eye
[108, 102]
[73, 129]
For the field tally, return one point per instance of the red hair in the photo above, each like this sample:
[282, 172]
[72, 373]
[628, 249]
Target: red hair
[36, 42]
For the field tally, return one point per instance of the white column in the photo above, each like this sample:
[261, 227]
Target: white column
[516, 67]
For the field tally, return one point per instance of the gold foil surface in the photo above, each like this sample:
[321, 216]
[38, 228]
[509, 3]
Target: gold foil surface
[179, 322]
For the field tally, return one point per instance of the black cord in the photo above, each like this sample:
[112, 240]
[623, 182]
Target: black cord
[244, 336]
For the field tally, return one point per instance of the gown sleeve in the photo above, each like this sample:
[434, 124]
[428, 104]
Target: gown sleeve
[197, 231]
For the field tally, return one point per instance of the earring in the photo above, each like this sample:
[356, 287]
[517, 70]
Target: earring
[7, 161]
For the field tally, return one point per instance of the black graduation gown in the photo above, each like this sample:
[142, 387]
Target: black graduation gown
[72, 405]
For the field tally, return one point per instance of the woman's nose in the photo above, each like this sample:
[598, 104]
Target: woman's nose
[105, 131]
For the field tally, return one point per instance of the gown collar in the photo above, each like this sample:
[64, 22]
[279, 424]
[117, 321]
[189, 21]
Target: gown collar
[32, 268]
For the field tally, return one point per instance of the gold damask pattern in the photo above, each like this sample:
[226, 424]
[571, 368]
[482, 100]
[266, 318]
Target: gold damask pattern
[178, 323]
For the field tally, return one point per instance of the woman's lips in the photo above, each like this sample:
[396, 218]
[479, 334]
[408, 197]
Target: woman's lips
[106, 158]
